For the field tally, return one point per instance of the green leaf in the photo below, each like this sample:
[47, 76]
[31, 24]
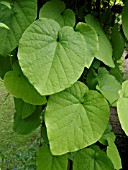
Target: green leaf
[25, 126]
[107, 134]
[58, 13]
[75, 118]
[104, 44]
[125, 19]
[5, 65]
[117, 42]
[2, 25]
[92, 159]
[117, 73]
[45, 160]
[91, 41]
[18, 85]
[23, 109]
[92, 80]
[113, 154]
[7, 4]
[122, 107]
[21, 15]
[52, 58]
[108, 85]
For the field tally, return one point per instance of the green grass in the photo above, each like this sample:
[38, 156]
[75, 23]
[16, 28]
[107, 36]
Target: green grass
[10, 141]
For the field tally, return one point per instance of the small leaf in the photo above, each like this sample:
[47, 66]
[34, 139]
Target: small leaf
[58, 13]
[117, 42]
[18, 85]
[92, 159]
[107, 134]
[25, 126]
[108, 85]
[75, 118]
[52, 58]
[104, 44]
[117, 73]
[46, 161]
[7, 4]
[122, 107]
[2, 25]
[113, 154]
[90, 41]
[92, 80]
[125, 19]
[23, 109]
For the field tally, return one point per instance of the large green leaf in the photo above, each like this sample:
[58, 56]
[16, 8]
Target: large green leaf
[90, 39]
[113, 154]
[125, 19]
[92, 159]
[25, 126]
[46, 161]
[104, 44]
[18, 18]
[23, 109]
[18, 85]
[55, 9]
[52, 58]
[117, 42]
[75, 118]
[108, 85]
[122, 107]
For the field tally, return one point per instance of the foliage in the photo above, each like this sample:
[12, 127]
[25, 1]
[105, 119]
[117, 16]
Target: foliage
[60, 62]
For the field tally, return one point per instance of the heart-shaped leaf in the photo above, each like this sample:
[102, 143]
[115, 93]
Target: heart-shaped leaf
[92, 159]
[52, 58]
[17, 19]
[104, 44]
[18, 85]
[45, 160]
[58, 13]
[75, 118]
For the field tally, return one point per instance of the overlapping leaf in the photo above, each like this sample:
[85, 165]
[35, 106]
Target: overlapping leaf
[25, 126]
[92, 159]
[113, 154]
[18, 18]
[23, 109]
[118, 42]
[47, 161]
[75, 118]
[104, 44]
[122, 107]
[58, 13]
[108, 85]
[52, 58]
[91, 41]
[5, 65]
[125, 19]
[18, 85]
